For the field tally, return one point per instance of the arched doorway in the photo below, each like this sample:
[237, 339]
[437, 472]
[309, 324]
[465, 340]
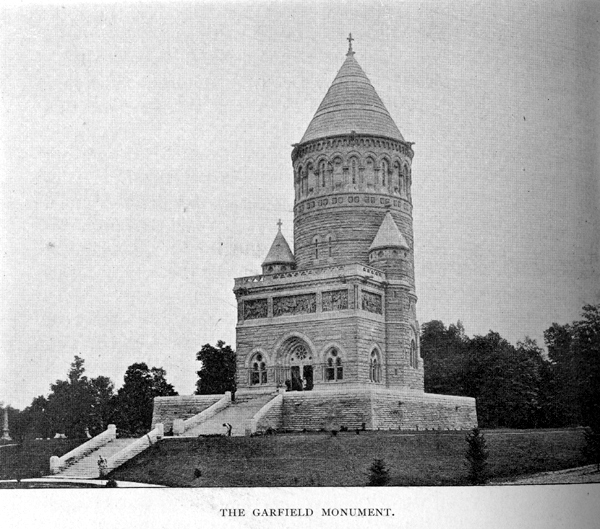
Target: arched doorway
[295, 365]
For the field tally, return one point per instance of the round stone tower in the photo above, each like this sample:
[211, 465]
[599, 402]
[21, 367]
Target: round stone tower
[353, 204]
[351, 167]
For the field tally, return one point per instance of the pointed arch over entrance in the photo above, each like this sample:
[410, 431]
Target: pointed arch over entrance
[295, 361]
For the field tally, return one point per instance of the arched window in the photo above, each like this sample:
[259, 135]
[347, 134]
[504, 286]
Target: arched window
[395, 178]
[334, 369]
[354, 170]
[258, 370]
[311, 178]
[329, 245]
[414, 361]
[337, 175]
[374, 367]
[405, 180]
[322, 171]
[384, 172]
[400, 179]
[299, 180]
[316, 248]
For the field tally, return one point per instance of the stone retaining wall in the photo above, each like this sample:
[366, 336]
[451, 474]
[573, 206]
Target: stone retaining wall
[414, 411]
[183, 407]
[377, 409]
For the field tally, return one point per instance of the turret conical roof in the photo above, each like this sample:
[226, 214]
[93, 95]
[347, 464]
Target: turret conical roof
[388, 236]
[280, 252]
[351, 104]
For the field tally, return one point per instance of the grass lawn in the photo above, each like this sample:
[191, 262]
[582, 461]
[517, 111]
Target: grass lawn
[318, 459]
[31, 459]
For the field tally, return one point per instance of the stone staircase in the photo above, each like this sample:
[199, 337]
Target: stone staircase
[87, 467]
[238, 414]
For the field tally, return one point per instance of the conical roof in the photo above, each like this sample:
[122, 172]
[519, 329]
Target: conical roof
[351, 104]
[280, 252]
[388, 236]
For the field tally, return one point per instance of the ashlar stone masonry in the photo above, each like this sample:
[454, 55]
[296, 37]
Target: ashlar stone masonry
[337, 317]
[332, 326]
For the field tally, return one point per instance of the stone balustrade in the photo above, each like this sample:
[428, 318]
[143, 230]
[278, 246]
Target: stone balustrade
[203, 416]
[294, 276]
[268, 416]
[134, 448]
[59, 463]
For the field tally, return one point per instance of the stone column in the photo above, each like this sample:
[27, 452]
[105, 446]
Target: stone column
[5, 432]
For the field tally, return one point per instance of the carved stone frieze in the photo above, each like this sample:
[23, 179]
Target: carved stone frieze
[371, 302]
[335, 300]
[299, 304]
[255, 308]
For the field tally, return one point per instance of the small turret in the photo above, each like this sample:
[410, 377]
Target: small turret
[389, 248]
[280, 258]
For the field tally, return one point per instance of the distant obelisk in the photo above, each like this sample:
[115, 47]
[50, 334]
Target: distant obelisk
[5, 432]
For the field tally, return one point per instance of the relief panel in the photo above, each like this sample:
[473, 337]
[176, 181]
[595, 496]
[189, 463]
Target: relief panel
[371, 302]
[335, 300]
[255, 308]
[299, 304]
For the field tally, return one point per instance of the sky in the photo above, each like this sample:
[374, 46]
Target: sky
[145, 160]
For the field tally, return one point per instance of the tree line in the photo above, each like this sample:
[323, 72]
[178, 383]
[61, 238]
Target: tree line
[80, 405]
[520, 386]
[514, 386]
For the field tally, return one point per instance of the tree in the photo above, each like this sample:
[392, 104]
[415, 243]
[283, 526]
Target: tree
[379, 474]
[78, 402]
[505, 380]
[561, 381]
[103, 391]
[444, 357]
[574, 379]
[35, 419]
[586, 349]
[477, 455]
[133, 404]
[217, 374]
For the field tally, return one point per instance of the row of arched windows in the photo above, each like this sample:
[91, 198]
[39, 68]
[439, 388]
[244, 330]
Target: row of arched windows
[334, 366]
[328, 175]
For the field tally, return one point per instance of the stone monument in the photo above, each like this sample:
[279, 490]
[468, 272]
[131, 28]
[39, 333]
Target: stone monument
[338, 315]
[331, 328]
[5, 431]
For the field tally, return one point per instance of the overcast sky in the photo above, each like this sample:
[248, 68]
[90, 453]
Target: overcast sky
[146, 160]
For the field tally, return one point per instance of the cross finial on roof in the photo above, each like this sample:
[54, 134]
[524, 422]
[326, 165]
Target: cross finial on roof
[279, 223]
[350, 39]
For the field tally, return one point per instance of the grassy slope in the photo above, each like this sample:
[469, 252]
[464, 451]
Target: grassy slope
[32, 458]
[427, 458]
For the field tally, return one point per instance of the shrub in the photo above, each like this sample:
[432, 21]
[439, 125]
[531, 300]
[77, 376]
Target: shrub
[111, 484]
[379, 474]
[477, 454]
